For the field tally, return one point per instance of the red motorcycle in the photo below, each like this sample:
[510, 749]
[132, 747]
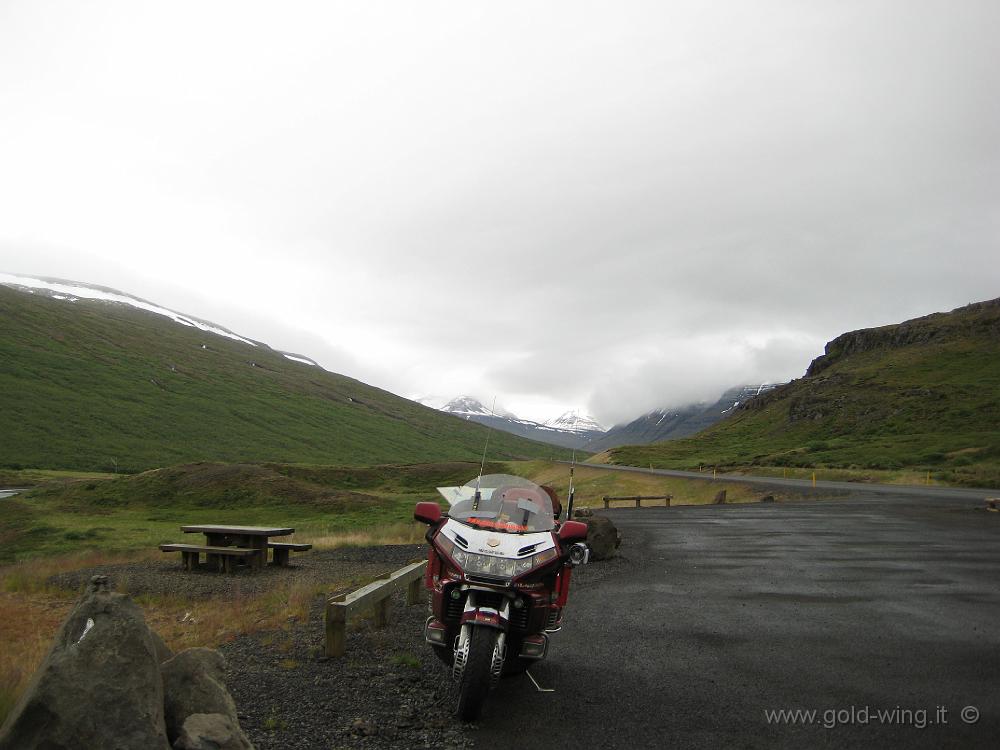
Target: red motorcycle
[499, 572]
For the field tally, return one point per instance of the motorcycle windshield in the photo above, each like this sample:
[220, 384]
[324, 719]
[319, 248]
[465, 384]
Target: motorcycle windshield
[505, 503]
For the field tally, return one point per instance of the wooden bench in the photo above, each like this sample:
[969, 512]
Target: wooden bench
[220, 558]
[281, 550]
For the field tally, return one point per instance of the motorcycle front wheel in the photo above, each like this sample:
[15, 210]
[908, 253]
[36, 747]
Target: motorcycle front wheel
[475, 682]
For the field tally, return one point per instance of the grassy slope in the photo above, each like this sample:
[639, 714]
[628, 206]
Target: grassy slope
[926, 396]
[85, 384]
[139, 512]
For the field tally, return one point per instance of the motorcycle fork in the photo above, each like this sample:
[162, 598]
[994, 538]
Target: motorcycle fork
[474, 616]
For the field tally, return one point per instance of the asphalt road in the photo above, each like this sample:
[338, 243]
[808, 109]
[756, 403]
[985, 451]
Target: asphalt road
[821, 487]
[718, 614]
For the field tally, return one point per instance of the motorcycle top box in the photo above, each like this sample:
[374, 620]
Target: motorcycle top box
[498, 573]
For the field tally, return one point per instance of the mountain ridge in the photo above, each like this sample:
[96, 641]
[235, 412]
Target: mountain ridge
[563, 435]
[89, 385]
[670, 423]
[921, 394]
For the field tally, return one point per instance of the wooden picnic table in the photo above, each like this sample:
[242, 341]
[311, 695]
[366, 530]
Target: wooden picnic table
[247, 537]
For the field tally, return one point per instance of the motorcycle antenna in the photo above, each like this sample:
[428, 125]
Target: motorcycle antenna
[572, 490]
[482, 465]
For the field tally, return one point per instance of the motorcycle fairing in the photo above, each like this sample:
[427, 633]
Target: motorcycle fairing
[488, 542]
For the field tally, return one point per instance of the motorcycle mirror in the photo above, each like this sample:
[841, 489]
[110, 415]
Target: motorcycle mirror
[429, 513]
[572, 531]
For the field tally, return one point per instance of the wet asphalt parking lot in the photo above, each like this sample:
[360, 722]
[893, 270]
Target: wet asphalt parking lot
[720, 614]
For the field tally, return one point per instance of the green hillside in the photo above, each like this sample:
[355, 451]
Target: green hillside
[921, 394]
[140, 511]
[91, 385]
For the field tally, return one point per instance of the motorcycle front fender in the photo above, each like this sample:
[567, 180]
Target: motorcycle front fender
[484, 616]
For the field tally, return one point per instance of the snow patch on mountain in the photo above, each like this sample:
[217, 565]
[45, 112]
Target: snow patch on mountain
[575, 421]
[748, 392]
[296, 358]
[72, 292]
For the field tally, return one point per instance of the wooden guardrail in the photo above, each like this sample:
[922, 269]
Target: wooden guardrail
[374, 596]
[638, 499]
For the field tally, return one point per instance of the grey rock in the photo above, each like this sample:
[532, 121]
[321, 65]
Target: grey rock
[211, 732]
[98, 687]
[194, 683]
[163, 651]
[602, 537]
[363, 727]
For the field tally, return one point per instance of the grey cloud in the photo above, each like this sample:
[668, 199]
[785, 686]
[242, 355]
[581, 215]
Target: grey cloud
[616, 206]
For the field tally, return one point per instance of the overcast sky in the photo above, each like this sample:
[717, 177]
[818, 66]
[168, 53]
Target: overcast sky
[610, 205]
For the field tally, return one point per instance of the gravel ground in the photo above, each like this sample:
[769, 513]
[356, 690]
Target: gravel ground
[388, 691]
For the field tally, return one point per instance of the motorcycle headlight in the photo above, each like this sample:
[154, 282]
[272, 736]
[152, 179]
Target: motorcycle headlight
[497, 567]
[535, 560]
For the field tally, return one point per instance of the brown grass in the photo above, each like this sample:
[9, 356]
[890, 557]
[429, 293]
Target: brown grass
[31, 576]
[28, 623]
[187, 623]
[31, 611]
[593, 484]
[409, 532]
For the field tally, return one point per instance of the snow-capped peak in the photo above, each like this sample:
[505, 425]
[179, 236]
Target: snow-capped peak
[71, 291]
[465, 405]
[575, 421]
[469, 406]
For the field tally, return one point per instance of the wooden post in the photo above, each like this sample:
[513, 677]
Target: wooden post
[336, 625]
[638, 500]
[281, 557]
[667, 498]
[374, 596]
[607, 503]
[413, 591]
[381, 612]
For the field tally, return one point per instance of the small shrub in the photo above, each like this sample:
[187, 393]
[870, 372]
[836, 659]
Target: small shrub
[406, 660]
[272, 722]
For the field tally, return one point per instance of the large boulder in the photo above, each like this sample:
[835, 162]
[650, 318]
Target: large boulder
[194, 684]
[602, 537]
[163, 651]
[99, 686]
